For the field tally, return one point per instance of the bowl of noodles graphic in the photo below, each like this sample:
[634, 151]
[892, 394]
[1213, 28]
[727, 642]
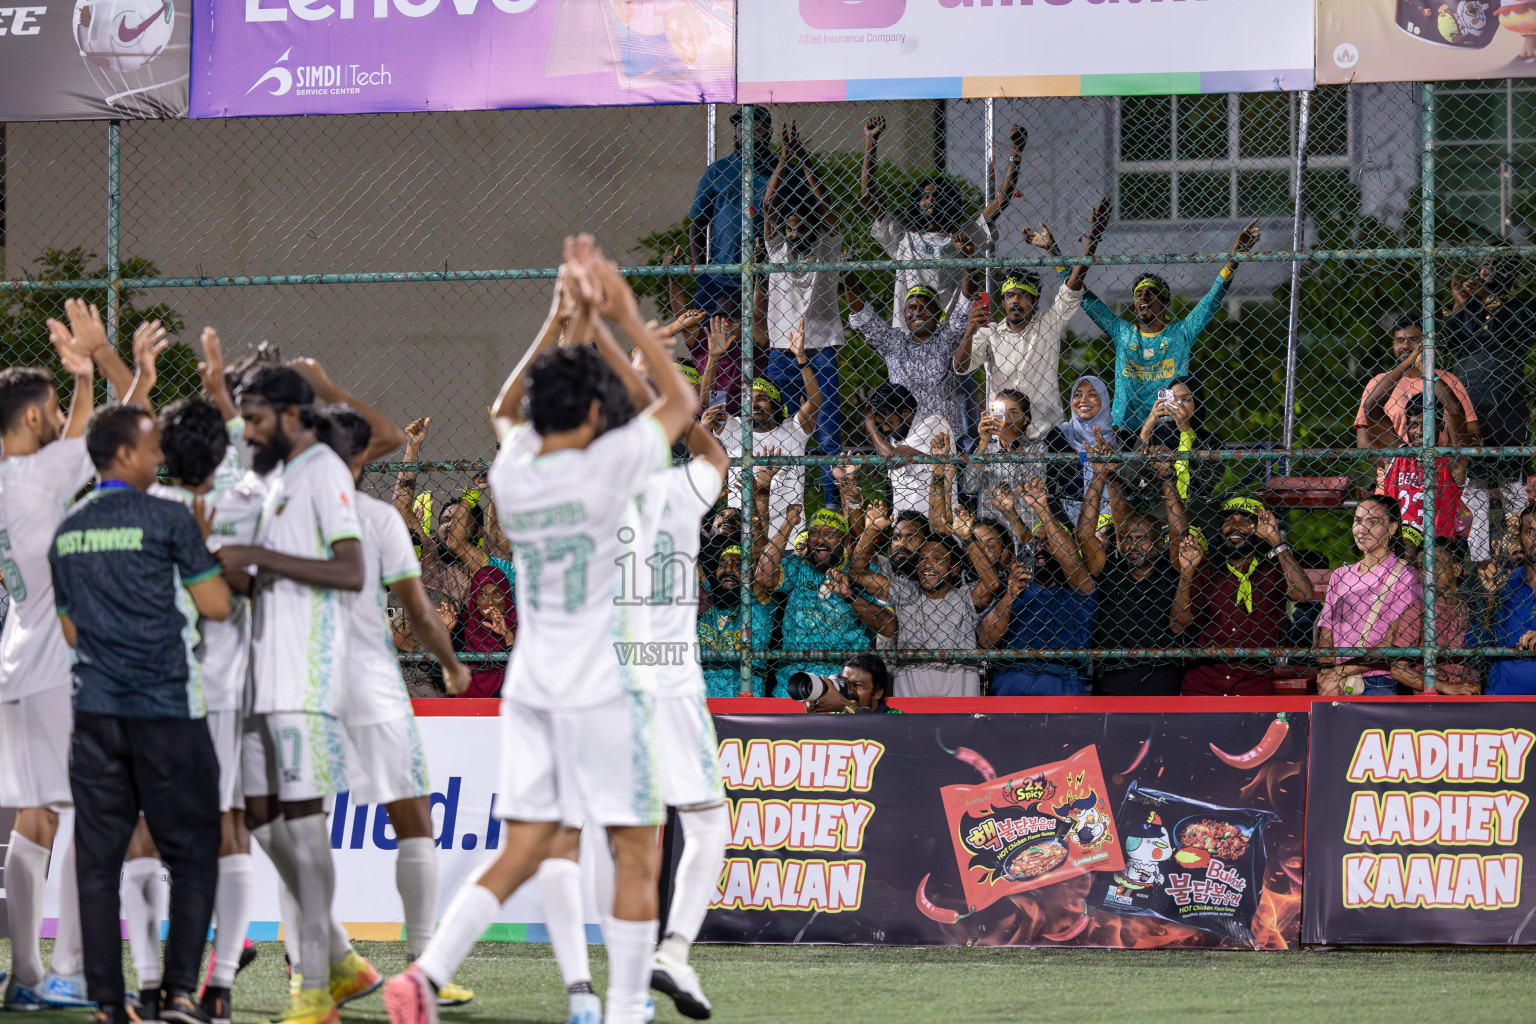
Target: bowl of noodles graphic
[1034, 860]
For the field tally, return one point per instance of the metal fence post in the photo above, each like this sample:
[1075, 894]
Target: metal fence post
[748, 316]
[1298, 226]
[989, 179]
[114, 272]
[1430, 438]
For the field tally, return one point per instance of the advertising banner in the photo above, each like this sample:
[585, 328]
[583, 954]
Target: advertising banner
[463, 756]
[1413, 830]
[94, 59]
[1424, 40]
[797, 51]
[356, 56]
[1118, 830]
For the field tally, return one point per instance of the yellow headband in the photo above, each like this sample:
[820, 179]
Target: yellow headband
[1413, 536]
[766, 387]
[920, 290]
[1017, 284]
[688, 372]
[826, 517]
[1249, 505]
[422, 506]
[734, 549]
[1156, 285]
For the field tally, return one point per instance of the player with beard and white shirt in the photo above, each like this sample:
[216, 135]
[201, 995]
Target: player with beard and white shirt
[578, 735]
[44, 466]
[308, 567]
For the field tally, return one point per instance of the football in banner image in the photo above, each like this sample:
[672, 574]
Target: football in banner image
[122, 35]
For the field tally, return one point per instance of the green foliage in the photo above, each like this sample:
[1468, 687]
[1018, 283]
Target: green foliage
[24, 326]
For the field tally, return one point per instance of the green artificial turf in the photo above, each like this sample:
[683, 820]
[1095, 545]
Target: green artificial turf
[517, 982]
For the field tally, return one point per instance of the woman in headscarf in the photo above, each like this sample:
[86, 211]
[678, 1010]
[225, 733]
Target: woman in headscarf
[489, 622]
[1090, 404]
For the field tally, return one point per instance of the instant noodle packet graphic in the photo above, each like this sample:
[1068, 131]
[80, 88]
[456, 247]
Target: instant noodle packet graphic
[1030, 828]
[1188, 861]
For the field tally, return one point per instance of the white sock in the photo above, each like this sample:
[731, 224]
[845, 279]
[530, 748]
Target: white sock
[69, 943]
[341, 942]
[468, 916]
[629, 969]
[288, 905]
[142, 921]
[232, 913]
[315, 890]
[277, 841]
[416, 878]
[705, 833]
[560, 887]
[26, 872]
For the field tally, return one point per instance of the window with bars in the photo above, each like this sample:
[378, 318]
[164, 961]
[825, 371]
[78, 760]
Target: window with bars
[1224, 157]
[1485, 137]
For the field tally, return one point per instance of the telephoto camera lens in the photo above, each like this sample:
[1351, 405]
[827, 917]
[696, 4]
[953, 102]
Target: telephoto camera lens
[804, 686]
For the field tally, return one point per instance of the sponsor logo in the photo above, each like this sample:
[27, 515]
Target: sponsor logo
[1345, 55]
[128, 35]
[282, 79]
[319, 80]
[312, 10]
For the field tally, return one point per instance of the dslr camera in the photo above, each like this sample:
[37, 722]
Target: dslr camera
[806, 686]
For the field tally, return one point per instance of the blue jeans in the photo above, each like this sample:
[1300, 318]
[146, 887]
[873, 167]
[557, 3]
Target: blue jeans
[784, 372]
[1025, 682]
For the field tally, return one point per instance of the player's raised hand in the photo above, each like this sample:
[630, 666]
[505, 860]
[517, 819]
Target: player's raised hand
[73, 356]
[211, 367]
[86, 325]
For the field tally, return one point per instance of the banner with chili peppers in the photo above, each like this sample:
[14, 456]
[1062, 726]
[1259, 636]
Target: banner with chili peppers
[1415, 821]
[1116, 830]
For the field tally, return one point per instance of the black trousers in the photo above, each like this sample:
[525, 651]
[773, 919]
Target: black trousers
[167, 769]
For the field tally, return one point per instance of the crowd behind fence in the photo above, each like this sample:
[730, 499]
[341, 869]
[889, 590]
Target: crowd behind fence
[1037, 396]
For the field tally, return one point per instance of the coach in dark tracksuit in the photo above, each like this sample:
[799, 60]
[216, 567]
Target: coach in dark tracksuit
[131, 574]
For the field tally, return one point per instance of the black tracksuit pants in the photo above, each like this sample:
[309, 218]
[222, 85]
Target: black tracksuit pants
[166, 768]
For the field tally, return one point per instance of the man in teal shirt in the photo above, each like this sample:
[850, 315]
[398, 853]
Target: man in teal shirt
[1151, 351]
[825, 609]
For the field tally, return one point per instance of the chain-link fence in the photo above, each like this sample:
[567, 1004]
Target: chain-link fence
[1089, 392]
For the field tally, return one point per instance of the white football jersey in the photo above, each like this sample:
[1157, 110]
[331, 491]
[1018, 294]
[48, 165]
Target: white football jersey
[225, 651]
[35, 492]
[298, 639]
[673, 505]
[572, 520]
[375, 690]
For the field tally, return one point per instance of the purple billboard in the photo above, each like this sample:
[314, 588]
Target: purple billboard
[259, 57]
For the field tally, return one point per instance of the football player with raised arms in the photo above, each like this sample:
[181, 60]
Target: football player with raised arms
[578, 737]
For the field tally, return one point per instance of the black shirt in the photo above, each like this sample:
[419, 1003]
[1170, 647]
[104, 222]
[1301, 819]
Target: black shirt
[121, 563]
[1489, 341]
[1134, 613]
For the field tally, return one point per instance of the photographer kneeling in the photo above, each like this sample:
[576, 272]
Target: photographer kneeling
[862, 687]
